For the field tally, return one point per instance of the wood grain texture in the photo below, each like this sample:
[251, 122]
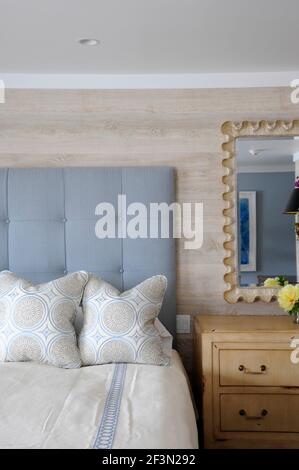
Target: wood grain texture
[248, 386]
[179, 128]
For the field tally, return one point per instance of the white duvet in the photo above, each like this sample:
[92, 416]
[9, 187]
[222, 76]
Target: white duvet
[46, 407]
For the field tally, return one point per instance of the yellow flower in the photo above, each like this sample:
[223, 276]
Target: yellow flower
[271, 282]
[288, 296]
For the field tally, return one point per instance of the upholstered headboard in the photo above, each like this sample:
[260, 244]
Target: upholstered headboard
[47, 226]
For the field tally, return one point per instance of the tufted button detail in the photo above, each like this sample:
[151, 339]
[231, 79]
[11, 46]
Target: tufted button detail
[7, 221]
[65, 271]
[121, 270]
[64, 220]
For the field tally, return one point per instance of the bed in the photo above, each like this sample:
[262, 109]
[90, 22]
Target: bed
[102, 407]
[47, 220]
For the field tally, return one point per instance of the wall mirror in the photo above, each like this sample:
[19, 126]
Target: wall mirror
[261, 208]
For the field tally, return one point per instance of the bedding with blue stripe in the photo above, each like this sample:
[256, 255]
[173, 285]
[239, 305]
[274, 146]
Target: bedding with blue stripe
[112, 406]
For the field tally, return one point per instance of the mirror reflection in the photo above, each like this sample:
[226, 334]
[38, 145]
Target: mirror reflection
[267, 207]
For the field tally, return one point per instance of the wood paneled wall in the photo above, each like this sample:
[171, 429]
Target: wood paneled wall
[179, 128]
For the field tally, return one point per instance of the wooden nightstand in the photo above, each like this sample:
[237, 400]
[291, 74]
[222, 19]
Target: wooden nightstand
[248, 385]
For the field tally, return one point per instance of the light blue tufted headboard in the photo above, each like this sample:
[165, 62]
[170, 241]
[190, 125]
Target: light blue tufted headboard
[47, 226]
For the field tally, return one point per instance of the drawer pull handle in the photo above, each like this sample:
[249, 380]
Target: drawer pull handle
[244, 369]
[261, 416]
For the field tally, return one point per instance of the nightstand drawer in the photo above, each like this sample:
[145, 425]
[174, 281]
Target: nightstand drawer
[259, 413]
[246, 382]
[257, 367]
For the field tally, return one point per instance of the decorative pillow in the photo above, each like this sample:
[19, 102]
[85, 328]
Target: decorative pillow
[120, 327]
[37, 322]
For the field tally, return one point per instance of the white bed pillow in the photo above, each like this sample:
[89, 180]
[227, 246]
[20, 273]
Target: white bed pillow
[37, 321]
[166, 337]
[120, 327]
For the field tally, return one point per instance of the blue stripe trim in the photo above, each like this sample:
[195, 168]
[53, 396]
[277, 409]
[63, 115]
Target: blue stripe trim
[107, 428]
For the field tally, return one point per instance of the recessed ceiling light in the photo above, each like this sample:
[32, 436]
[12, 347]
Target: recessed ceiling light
[89, 42]
[255, 152]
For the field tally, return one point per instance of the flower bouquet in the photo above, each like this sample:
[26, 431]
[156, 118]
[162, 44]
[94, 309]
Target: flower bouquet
[278, 281]
[288, 299]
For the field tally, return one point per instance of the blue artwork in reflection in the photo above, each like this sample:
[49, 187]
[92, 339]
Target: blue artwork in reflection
[244, 230]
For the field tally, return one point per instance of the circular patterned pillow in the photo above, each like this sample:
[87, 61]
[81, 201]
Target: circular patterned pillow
[121, 327]
[37, 322]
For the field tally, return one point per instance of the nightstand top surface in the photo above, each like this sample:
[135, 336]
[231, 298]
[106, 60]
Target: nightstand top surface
[245, 323]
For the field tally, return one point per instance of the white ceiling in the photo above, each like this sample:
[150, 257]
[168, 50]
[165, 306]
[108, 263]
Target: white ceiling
[272, 155]
[148, 36]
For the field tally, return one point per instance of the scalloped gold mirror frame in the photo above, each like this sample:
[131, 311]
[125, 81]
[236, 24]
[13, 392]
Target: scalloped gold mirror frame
[232, 131]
